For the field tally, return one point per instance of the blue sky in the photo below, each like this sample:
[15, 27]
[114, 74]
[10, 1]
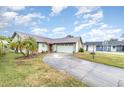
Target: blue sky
[91, 23]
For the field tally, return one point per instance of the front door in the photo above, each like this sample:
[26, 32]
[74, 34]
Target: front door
[50, 47]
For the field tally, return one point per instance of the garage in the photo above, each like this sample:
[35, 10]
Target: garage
[67, 48]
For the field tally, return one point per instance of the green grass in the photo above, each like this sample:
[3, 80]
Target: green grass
[32, 72]
[103, 58]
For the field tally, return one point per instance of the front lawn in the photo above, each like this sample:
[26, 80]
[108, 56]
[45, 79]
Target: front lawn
[32, 72]
[103, 58]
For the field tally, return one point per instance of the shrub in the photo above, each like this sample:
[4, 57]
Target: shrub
[81, 50]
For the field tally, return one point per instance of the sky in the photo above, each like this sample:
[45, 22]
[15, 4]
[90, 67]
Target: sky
[90, 22]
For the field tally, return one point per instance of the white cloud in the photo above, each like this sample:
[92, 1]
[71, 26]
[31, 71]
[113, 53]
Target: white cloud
[58, 32]
[16, 8]
[9, 15]
[81, 26]
[58, 29]
[56, 10]
[27, 19]
[3, 24]
[76, 22]
[85, 9]
[39, 31]
[94, 17]
[90, 19]
[104, 32]
[6, 18]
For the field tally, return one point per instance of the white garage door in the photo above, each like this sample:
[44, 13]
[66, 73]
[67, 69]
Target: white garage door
[67, 48]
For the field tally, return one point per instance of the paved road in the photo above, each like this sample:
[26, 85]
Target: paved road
[92, 74]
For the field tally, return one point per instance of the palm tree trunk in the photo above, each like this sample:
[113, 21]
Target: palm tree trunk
[27, 52]
[21, 51]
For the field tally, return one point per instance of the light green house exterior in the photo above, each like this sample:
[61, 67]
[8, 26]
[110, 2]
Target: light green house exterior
[65, 45]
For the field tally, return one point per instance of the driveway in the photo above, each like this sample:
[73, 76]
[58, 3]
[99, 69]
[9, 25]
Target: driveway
[92, 74]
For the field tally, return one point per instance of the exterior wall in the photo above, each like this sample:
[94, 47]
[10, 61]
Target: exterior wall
[42, 47]
[85, 47]
[16, 38]
[99, 48]
[90, 48]
[113, 48]
[119, 48]
[78, 46]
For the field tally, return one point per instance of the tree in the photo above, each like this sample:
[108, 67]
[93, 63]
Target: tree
[8, 39]
[1, 49]
[26, 47]
[14, 46]
[30, 45]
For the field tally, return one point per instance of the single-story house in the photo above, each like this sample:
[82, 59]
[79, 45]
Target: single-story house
[67, 44]
[112, 45]
[93, 46]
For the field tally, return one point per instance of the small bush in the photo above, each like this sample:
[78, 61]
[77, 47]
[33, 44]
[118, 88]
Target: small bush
[81, 50]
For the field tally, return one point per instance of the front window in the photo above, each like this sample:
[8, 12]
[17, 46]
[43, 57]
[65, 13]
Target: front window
[113, 46]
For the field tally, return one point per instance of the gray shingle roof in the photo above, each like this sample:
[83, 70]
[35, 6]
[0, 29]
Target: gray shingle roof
[66, 40]
[93, 43]
[105, 43]
[49, 40]
[115, 43]
[37, 38]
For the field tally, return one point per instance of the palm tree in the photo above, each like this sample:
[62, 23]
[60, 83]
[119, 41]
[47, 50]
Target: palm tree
[26, 47]
[1, 48]
[30, 45]
[14, 46]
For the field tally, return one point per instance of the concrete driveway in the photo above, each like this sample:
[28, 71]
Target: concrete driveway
[92, 74]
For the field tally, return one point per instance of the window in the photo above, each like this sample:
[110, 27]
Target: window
[113, 46]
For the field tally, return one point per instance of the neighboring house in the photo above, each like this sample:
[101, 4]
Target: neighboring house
[67, 44]
[112, 45]
[93, 46]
